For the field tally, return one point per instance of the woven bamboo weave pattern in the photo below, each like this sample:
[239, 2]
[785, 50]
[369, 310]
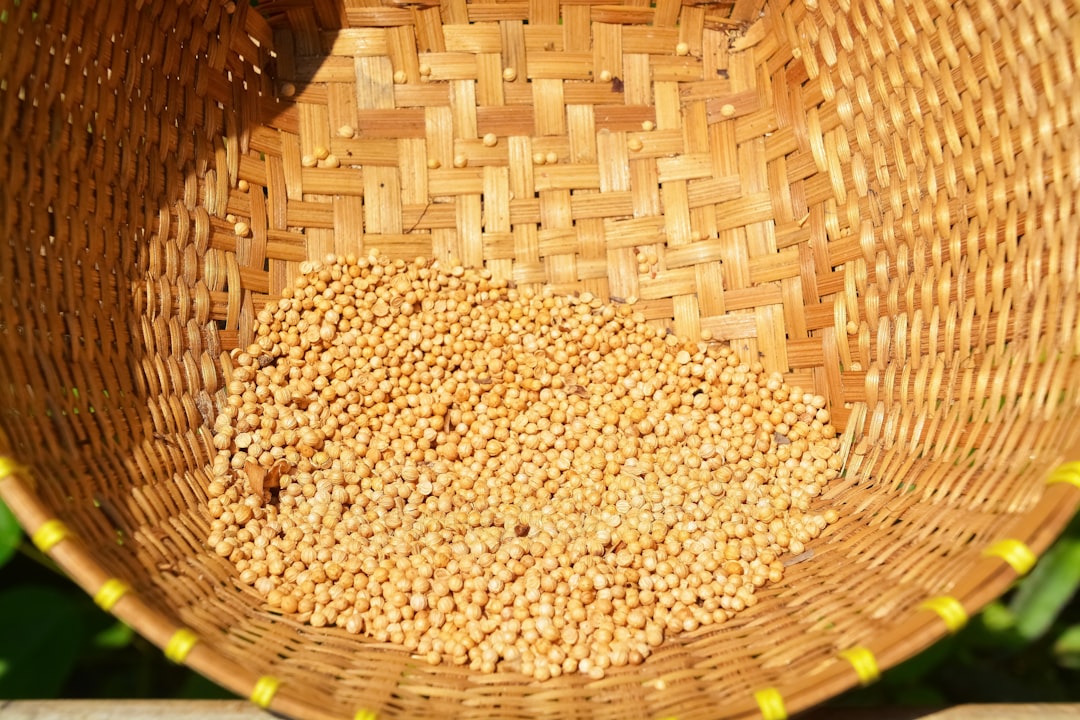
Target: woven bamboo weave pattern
[876, 198]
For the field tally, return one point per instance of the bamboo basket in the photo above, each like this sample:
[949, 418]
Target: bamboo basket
[876, 198]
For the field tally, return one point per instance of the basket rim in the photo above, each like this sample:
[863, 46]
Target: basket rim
[999, 564]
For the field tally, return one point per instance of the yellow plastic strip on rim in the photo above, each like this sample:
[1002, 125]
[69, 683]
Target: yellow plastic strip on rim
[49, 535]
[9, 467]
[1015, 553]
[180, 645]
[1067, 473]
[949, 609]
[864, 662]
[110, 593]
[264, 691]
[365, 715]
[771, 703]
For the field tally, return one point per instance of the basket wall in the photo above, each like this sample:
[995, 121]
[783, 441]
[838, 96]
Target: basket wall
[876, 199]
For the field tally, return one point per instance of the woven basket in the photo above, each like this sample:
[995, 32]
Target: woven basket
[876, 198]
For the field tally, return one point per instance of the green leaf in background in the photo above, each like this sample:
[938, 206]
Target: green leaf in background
[994, 629]
[41, 636]
[1041, 596]
[912, 671]
[997, 618]
[1067, 648]
[117, 635]
[10, 534]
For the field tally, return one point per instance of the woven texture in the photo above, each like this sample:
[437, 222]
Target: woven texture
[877, 199]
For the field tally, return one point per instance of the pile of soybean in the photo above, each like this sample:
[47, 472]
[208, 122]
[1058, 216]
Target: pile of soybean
[502, 479]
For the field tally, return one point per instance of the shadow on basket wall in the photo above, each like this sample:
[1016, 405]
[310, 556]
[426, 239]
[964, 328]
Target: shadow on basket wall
[875, 199]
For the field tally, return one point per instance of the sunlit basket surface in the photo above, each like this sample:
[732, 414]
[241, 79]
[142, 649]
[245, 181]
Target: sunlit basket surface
[877, 198]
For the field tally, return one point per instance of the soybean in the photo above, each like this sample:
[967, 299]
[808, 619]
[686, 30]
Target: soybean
[505, 479]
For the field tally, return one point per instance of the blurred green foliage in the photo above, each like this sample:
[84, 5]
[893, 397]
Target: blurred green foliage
[54, 642]
[1024, 647]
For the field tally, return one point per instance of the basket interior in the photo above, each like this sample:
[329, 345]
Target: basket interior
[875, 199]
